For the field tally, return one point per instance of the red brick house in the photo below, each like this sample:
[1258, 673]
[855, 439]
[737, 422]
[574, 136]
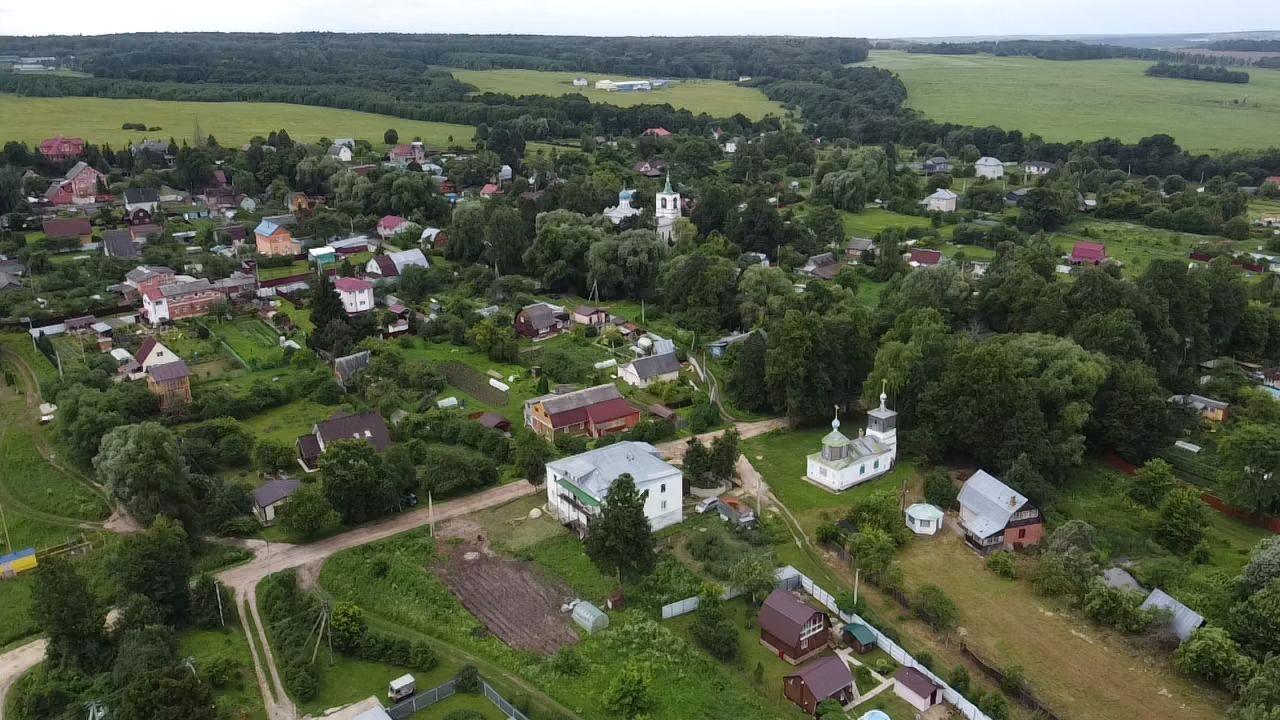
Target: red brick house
[148, 277]
[79, 186]
[61, 149]
[818, 680]
[77, 228]
[594, 412]
[792, 628]
[171, 381]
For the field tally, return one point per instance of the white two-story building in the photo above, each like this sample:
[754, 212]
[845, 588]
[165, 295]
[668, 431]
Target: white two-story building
[578, 486]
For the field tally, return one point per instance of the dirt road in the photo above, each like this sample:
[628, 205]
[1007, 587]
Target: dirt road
[674, 449]
[15, 663]
[270, 558]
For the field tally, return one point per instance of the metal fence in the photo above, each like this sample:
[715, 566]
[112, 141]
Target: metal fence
[689, 604]
[427, 698]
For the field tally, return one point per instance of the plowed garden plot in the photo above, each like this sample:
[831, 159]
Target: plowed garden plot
[512, 598]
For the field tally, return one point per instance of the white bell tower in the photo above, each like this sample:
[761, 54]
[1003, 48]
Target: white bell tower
[667, 202]
[882, 424]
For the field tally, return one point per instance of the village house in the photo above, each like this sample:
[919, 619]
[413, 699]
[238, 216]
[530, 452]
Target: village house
[936, 166]
[720, 348]
[341, 153]
[594, 412]
[171, 382]
[541, 320]
[656, 132]
[148, 277]
[273, 239]
[62, 149]
[988, 167]
[78, 187]
[942, 200]
[405, 154]
[577, 486]
[843, 462]
[389, 225]
[120, 243]
[142, 199]
[356, 294]
[152, 352]
[916, 688]
[858, 248]
[995, 517]
[591, 316]
[369, 427]
[271, 495]
[184, 298]
[650, 168]
[1208, 408]
[490, 190]
[924, 257]
[1036, 168]
[643, 372]
[792, 628]
[155, 151]
[76, 228]
[817, 680]
[9, 281]
[1087, 253]
[823, 267]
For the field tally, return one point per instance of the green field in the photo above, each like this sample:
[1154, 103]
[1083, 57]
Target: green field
[717, 98]
[253, 340]
[98, 120]
[1087, 100]
[240, 698]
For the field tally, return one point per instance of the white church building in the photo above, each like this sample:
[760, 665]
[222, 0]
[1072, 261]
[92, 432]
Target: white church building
[667, 211]
[844, 462]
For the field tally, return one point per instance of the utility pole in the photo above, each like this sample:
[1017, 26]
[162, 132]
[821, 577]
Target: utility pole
[857, 575]
[8, 545]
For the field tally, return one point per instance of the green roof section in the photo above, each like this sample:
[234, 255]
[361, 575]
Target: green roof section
[861, 633]
[583, 496]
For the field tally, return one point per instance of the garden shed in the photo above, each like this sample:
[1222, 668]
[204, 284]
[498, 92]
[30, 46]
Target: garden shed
[859, 637]
[589, 617]
[924, 519]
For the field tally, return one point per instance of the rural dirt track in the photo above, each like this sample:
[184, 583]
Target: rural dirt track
[243, 580]
[15, 663]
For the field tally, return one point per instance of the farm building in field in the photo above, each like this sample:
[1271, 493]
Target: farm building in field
[1185, 620]
[18, 562]
[541, 320]
[818, 680]
[580, 82]
[171, 382]
[916, 688]
[271, 496]
[577, 486]
[792, 628]
[995, 517]
[989, 167]
[942, 200]
[356, 294]
[843, 462]
[1208, 408]
[369, 427]
[594, 412]
[642, 372]
[1086, 253]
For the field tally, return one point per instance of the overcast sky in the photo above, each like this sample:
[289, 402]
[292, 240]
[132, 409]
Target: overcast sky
[854, 18]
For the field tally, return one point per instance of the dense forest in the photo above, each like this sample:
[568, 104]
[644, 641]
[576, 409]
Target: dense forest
[1245, 45]
[1043, 49]
[1197, 72]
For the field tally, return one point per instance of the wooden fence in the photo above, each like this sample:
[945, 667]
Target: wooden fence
[1025, 696]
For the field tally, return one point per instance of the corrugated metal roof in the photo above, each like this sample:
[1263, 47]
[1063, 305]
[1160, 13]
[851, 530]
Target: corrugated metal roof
[991, 502]
[1185, 620]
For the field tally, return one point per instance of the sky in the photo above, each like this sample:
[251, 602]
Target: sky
[848, 18]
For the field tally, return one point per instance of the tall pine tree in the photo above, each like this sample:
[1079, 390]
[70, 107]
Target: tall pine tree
[325, 303]
[621, 539]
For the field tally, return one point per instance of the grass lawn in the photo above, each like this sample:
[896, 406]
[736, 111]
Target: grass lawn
[1087, 100]
[189, 346]
[477, 704]
[285, 423]
[869, 293]
[241, 697]
[98, 120]
[19, 343]
[511, 529]
[1078, 668]
[872, 221]
[298, 267]
[522, 388]
[15, 610]
[717, 98]
[563, 556]
[780, 457]
[301, 316]
[751, 654]
[1134, 245]
[252, 339]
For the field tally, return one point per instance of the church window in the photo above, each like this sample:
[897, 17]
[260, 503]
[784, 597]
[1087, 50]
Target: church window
[862, 469]
[876, 465]
[664, 203]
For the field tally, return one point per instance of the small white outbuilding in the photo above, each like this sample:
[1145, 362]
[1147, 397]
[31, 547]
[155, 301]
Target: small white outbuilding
[924, 519]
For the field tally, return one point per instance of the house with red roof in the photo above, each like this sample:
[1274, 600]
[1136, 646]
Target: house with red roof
[61, 149]
[594, 412]
[78, 187]
[77, 228]
[489, 190]
[1086, 253]
[356, 294]
[404, 154]
[923, 257]
[1273, 180]
[657, 132]
[390, 225]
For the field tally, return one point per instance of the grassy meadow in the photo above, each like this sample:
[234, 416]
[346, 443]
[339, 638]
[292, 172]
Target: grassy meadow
[1089, 99]
[98, 120]
[718, 98]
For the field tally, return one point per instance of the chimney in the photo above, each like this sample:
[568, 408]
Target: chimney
[1013, 502]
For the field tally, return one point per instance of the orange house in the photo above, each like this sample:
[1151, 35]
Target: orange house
[273, 239]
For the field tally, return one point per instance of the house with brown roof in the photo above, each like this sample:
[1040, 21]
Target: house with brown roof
[817, 680]
[170, 381]
[587, 315]
[793, 628]
[594, 412]
[916, 688]
[650, 168]
[823, 266]
[369, 427]
[541, 320]
[77, 228]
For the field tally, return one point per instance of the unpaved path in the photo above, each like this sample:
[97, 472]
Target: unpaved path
[16, 663]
